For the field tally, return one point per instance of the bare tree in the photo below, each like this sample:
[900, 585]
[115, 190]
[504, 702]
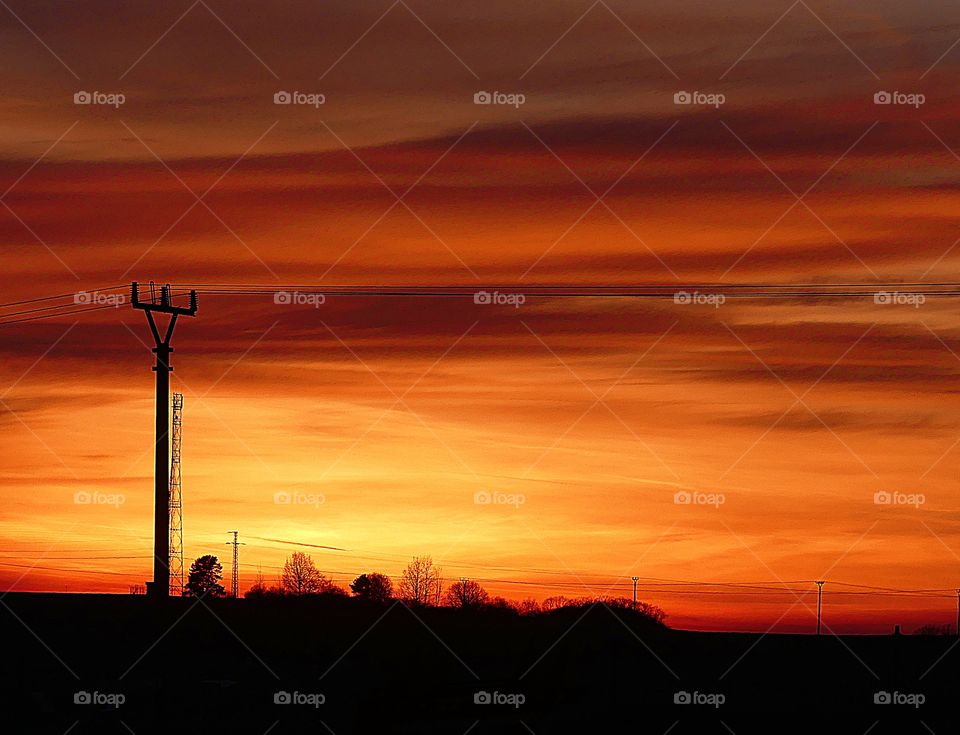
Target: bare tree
[466, 594]
[554, 603]
[300, 575]
[259, 586]
[528, 606]
[420, 583]
[933, 630]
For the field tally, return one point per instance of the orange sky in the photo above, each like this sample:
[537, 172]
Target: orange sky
[293, 399]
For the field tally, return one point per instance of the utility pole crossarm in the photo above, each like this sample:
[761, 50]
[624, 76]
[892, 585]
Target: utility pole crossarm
[165, 304]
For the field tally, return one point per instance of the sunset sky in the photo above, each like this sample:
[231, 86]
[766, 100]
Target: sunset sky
[398, 412]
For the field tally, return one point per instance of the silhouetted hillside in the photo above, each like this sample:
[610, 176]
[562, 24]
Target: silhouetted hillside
[362, 667]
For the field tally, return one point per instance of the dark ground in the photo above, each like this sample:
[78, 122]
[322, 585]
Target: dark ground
[218, 664]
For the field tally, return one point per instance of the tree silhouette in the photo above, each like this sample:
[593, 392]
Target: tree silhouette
[528, 606]
[501, 603]
[375, 587]
[554, 603]
[259, 586]
[654, 612]
[420, 582]
[204, 577]
[933, 630]
[466, 594]
[300, 575]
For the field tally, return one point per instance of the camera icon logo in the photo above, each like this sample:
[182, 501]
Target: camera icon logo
[82, 98]
[882, 498]
[482, 497]
[681, 698]
[282, 498]
[82, 297]
[282, 697]
[682, 297]
[482, 698]
[682, 98]
[682, 498]
[82, 698]
[882, 698]
[82, 498]
[282, 98]
[883, 98]
[482, 297]
[483, 98]
[283, 297]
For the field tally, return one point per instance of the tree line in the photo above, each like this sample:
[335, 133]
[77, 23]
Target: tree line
[420, 583]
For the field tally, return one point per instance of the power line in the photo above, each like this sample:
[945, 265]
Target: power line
[70, 295]
[62, 551]
[670, 288]
[660, 585]
[62, 569]
[578, 293]
[625, 580]
[46, 308]
[56, 314]
[728, 588]
[736, 589]
[752, 291]
[640, 290]
[82, 558]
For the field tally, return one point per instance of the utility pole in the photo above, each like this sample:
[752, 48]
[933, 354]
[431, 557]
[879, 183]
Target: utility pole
[235, 572]
[635, 580]
[819, 600]
[160, 587]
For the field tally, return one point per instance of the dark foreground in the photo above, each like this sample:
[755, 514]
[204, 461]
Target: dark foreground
[119, 664]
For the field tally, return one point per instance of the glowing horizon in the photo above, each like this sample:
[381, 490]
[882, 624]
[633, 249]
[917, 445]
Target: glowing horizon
[796, 413]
